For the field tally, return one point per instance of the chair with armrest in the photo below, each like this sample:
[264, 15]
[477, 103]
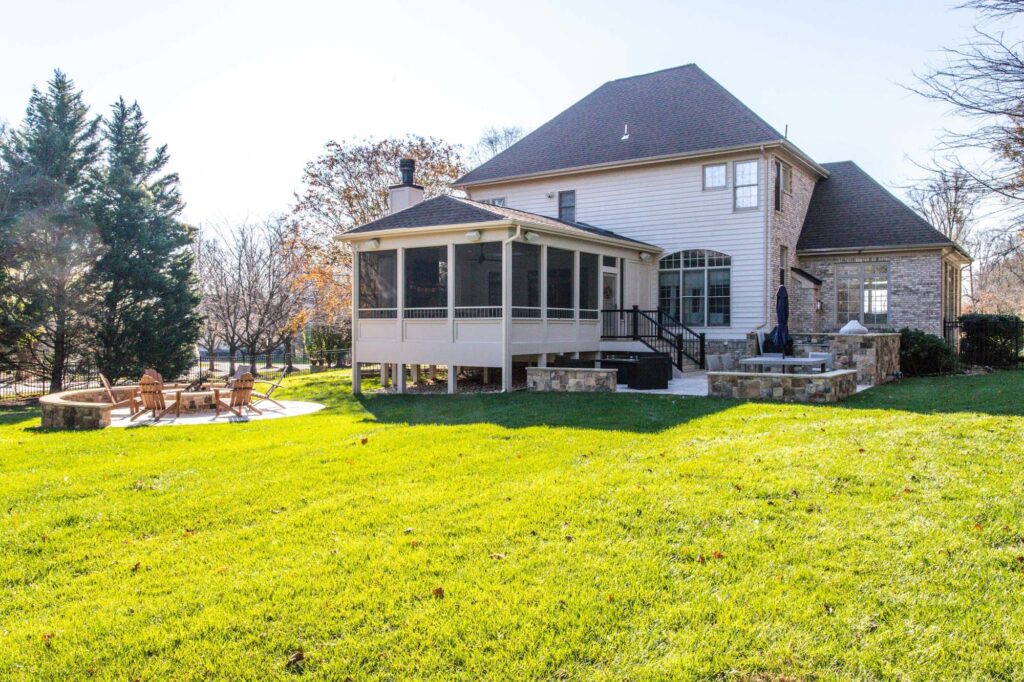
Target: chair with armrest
[132, 402]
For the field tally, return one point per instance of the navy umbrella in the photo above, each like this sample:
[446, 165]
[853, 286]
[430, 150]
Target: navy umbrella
[781, 338]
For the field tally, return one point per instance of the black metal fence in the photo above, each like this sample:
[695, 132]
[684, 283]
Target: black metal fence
[987, 340]
[83, 375]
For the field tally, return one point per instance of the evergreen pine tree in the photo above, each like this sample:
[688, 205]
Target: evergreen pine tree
[148, 316]
[47, 175]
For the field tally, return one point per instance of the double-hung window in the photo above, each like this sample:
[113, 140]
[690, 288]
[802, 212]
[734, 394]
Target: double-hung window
[862, 293]
[745, 185]
[567, 206]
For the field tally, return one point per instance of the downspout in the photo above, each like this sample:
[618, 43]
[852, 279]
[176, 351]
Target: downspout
[506, 311]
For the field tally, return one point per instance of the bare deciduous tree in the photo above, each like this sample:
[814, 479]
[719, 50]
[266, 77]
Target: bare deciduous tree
[948, 200]
[493, 141]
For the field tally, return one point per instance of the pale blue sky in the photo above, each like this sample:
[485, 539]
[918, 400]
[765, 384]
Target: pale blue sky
[244, 93]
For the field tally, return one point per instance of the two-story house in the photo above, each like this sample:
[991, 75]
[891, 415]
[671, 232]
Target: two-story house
[661, 191]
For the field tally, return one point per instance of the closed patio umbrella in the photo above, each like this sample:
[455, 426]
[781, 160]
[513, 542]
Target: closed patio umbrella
[781, 337]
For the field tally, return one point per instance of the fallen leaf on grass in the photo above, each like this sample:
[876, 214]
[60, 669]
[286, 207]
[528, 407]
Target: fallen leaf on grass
[569, 538]
[47, 636]
[136, 567]
[829, 609]
[189, 532]
[296, 659]
[717, 555]
[364, 440]
[414, 543]
[701, 559]
[438, 593]
[978, 526]
[497, 557]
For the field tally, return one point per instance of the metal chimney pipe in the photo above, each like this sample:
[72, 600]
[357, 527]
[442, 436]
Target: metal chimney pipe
[407, 168]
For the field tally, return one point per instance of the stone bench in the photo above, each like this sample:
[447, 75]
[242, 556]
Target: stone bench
[571, 379]
[824, 387]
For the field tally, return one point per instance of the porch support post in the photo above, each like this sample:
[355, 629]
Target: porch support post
[415, 374]
[357, 378]
[453, 379]
[400, 378]
[487, 375]
[506, 315]
[385, 370]
[542, 360]
[433, 373]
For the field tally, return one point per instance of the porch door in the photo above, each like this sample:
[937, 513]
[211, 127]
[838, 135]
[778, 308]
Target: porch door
[609, 291]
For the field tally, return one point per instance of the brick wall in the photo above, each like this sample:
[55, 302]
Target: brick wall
[785, 230]
[915, 289]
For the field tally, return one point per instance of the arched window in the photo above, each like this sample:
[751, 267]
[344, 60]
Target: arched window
[695, 287]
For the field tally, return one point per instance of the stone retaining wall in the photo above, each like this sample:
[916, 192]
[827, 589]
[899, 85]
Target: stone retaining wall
[571, 379]
[827, 387]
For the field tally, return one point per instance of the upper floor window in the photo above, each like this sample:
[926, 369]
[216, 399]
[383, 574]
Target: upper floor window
[783, 182]
[745, 185]
[695, 287]
[783, 264]
[862, 291]
[714, 176]
[496, 201]
[567, 206]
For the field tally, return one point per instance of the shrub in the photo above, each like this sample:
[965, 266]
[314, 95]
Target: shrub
[991, 339]
[922, 353]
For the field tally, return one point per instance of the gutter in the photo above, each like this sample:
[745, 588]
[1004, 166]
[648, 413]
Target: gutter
[886, 248]
[646, 161]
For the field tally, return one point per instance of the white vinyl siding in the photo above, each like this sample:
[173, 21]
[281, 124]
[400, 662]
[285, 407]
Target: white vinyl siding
[664, 205]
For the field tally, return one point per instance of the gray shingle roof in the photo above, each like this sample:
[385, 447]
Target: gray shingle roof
[675, 111]
[850, 209]
[446, 210]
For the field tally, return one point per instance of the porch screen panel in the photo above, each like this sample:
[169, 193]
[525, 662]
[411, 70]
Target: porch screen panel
[478, 280]
[693, 298]
[589, 272]
[560, 267]
[426, 281]
[378, 283]
[525, 280]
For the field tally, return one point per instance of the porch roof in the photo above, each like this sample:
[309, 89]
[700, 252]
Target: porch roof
[445, 211]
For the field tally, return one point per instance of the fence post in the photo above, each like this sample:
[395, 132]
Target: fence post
[635, 314]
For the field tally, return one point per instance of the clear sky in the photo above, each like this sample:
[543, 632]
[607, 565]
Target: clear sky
[244, 93]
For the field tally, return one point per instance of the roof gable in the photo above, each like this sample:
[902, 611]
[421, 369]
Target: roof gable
[850, 209]
[675, 111]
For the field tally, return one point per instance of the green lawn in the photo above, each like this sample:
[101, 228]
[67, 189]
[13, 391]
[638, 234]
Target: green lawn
[573, 536]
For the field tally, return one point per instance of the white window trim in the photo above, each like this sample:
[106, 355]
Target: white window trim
[494, 201]
[860, 293]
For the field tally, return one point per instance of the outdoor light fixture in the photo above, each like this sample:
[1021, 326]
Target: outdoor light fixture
[531, 236]
[373, 244]
[645, 256]
[473, 235]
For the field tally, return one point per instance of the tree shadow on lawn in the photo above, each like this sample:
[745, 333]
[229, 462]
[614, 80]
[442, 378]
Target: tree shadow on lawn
[9, 416]
[997, 394]
[602, 411]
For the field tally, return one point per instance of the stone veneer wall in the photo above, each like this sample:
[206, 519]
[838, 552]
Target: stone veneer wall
[828, 387]
[915, 289]
[876, 357]
[79, 410]
[571, 379]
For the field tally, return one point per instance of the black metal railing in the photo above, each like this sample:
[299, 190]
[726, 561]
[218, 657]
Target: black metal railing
[24, 385]
[986, 340]
[658, 329]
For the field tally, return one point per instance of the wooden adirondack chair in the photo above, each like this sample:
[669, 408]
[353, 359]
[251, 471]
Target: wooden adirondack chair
[239, 397]
[133, 403]
[265, 395]
[155, 374]
[154, 401]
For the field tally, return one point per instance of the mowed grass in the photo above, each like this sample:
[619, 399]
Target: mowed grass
[573, 537]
